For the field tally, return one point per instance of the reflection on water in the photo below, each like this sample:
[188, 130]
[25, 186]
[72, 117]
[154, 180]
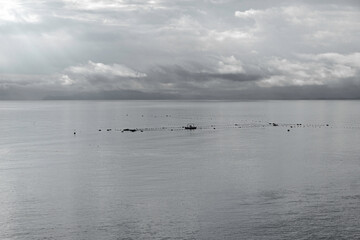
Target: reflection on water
[227, 183]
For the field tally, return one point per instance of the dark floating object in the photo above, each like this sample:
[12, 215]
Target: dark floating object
[190, 126]
[288, 130]
[109, 129]
[129, 130]
[74, 132]
[99, 130]
[327, 125]
[275, 124]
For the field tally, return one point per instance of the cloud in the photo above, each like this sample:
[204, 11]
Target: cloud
[230, 65]
[231, 34]
[83, 78]
[17, 12]
[327, 69]
[114, 5]
[99, 76]
[217, 49]
[114, 70]
[304, 26]
[352, 60]
[251, 13]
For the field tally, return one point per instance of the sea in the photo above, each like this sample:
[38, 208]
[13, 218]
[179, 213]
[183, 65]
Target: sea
[250, 170]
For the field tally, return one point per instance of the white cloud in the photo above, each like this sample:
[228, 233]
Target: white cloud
[184, 23]
[66, 80]
[313, 69]
[93, 77]
[231, 34]
[15, 11]
[230, 65]
[122, 5]
[304, 24]
[92, 68]
[352, 59]
[251, 13]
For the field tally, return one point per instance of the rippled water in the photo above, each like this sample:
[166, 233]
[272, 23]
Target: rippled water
[253, 182]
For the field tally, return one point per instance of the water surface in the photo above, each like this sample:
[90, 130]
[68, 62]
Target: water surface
[224, 183]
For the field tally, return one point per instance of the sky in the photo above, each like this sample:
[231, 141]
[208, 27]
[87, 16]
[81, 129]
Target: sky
[179, 49]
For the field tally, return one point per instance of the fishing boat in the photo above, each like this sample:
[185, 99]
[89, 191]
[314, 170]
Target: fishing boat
[190, 126]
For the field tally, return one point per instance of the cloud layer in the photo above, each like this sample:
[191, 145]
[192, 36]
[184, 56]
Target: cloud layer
[157, 49]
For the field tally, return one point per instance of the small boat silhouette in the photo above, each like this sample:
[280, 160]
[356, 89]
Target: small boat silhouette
[190, 126]
[129, 130]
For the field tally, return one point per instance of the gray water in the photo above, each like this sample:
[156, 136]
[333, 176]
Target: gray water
[254, 182]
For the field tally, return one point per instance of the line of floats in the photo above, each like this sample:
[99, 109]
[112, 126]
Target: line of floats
[192, 127]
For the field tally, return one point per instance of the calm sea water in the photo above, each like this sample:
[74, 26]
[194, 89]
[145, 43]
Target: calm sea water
[254, 182]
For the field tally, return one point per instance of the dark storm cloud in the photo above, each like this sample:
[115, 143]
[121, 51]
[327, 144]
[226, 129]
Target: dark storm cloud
[237, 77]
[182, 74]
[209, 49]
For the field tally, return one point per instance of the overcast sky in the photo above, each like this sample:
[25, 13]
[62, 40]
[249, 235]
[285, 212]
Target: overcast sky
[157, 49]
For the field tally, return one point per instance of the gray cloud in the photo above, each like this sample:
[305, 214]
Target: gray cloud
[206, 49]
